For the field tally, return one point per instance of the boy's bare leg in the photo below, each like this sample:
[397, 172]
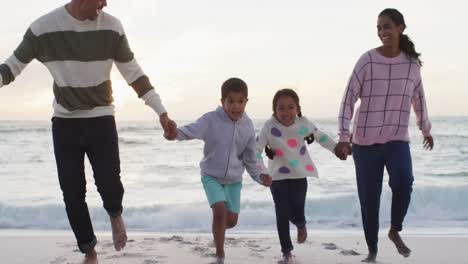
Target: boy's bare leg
[371, 258]
[219, 227]
[400, 245]
[90, 257]
[119, 234]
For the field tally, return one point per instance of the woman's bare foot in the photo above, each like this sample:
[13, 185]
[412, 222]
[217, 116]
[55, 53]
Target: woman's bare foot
[370, 258]
[399, 244]
[119, 234]
[301, 234]
[90, 257]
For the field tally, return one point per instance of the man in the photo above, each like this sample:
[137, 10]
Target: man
[78, 43]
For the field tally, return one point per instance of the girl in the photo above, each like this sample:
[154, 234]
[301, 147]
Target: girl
[387, 81]
[284, 133]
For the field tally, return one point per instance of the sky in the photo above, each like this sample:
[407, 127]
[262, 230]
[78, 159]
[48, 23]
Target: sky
[188, 48]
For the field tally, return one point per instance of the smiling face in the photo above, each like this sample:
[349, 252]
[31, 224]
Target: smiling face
[234, 105]
[286, 110]
[90, 9]
[389, 32]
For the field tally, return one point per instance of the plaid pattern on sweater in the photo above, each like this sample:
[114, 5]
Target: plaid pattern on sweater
[386, 88]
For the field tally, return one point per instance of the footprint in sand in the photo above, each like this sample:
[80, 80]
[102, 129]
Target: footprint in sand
[344, 252]
[350, 252]
[128, 256]
[255, 247]
[232, 241]
[150, 261]
[108, 245]
[156, 259]
[148, 242]
[200, 250]
[171, 239]
[209, 255]
[330, 246]
[256, 255]
[145, 244]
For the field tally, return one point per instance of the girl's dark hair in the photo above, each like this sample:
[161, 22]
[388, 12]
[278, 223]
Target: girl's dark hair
[406, 45]
[291, 93]
[286, 92]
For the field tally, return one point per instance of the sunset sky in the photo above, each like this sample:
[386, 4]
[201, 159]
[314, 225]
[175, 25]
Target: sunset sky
[188, 48]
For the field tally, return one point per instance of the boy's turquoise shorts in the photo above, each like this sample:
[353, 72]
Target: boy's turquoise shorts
[227, 193]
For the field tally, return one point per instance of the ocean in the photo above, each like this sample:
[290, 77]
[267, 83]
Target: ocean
[163, 192]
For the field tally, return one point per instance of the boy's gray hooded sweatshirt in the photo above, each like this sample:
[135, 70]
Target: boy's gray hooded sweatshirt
[229, 146]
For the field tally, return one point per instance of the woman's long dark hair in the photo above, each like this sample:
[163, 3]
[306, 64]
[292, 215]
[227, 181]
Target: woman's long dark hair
[406, 45]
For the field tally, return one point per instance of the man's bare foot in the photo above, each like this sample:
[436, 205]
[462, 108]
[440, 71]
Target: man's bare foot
[399, 244]
[287, 259]
[301, 234]
[90, 257]
[370, 258]
[119, 234]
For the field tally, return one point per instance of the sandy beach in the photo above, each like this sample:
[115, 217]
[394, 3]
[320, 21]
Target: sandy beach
[55, 247]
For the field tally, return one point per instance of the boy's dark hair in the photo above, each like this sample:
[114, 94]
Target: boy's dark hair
[406, 44]
[235, 85]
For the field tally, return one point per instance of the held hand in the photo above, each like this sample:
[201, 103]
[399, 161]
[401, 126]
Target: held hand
[172, 133]
[428, 142]
[342, 150]
[168, 126]
[269, 152]
[348, 150]
[266, 180]
[309, 139]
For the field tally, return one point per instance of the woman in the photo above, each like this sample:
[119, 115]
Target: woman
[387, 81]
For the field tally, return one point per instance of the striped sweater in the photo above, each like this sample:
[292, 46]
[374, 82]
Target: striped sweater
[80, 55]
[387, 88]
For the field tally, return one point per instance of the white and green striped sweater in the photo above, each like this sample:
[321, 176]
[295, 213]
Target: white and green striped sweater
[79, 55]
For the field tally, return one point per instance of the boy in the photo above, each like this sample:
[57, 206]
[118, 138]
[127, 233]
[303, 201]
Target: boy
[229, 138]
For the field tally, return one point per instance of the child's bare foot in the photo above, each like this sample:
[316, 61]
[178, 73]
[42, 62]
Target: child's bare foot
[370, 258]
[90, 257]
[119, 234]
[301, 234]
[399, 244]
